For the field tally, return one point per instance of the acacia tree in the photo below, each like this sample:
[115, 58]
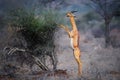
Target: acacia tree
[107, 10]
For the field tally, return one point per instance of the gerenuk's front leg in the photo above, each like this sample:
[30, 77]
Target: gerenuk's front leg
[66, 29]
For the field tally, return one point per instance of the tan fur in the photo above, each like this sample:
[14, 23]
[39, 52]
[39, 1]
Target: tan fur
[74, 36]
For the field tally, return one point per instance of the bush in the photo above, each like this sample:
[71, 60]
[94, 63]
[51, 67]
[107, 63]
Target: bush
[37, 29]
[42, 25]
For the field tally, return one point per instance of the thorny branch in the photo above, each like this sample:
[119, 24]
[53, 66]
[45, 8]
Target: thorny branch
[37, 60]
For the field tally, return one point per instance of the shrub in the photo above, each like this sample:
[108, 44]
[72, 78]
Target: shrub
[37, 29]
[42, 25]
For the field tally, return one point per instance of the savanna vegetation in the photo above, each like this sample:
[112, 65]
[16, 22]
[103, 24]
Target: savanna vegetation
[28, 32]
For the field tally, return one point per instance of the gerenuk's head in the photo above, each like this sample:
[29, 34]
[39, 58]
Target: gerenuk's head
[70, 14]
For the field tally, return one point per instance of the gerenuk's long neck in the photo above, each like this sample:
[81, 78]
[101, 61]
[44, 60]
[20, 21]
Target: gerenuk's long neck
[73, 23]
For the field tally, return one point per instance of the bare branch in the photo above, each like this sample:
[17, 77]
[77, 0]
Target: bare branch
[40, 64]
[37, 60]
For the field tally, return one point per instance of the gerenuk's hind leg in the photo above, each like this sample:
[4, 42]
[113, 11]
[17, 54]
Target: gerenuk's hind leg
[77, 57]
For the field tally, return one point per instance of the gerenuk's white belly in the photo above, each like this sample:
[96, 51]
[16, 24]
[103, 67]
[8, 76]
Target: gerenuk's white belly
[71, 42]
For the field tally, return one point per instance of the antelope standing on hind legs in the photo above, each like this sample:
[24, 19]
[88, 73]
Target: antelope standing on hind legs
[74, 36]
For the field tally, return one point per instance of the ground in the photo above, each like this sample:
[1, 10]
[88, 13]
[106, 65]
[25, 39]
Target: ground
[99, 63]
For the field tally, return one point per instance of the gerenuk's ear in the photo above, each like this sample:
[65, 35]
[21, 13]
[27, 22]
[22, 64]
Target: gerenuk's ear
[73, 11]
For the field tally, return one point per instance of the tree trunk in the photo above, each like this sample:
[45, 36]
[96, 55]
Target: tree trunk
[107, 33]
